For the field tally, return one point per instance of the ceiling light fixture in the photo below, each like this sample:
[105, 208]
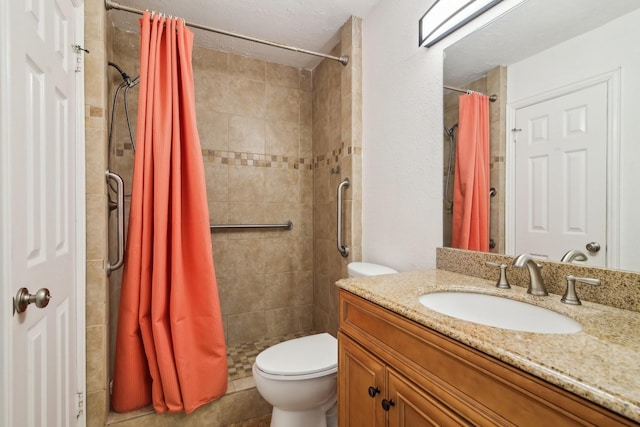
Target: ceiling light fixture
[446, 16]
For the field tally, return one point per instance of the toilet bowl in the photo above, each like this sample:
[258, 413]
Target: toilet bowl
[298, 377]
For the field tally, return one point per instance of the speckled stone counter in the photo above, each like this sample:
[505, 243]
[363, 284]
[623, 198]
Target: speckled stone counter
[601, 363]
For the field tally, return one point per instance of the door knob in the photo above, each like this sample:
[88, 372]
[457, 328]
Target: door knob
[593, 246]
[23, 298]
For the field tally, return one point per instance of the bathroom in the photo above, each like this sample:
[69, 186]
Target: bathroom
[273, 290]
[281, 282]
[266, 162]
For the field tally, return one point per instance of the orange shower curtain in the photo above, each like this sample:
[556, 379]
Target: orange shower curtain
[170, 348]
[471, 187]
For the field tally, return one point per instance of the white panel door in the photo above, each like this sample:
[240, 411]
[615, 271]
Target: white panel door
[561, 178]
[39, 219]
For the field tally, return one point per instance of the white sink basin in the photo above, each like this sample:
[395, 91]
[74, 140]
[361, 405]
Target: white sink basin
[500, 312]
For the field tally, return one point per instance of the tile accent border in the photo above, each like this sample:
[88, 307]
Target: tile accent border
[235, 158]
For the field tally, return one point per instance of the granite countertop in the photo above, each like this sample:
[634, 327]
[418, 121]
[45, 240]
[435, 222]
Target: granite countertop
[601, 363]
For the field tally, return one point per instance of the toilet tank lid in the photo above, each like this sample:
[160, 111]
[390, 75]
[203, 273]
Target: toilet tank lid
[356, 269]
[299, 356]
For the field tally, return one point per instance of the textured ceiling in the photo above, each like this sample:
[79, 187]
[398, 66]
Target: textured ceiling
[532, 27]
[307, 24]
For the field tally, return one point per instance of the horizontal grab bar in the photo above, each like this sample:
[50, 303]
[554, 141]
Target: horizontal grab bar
[287, 226]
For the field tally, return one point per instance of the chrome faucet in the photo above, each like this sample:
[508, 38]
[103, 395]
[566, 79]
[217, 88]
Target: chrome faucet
[536, 283]
[573, 255]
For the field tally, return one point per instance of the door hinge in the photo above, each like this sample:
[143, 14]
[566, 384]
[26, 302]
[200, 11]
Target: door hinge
[79, 50]
[79, 403]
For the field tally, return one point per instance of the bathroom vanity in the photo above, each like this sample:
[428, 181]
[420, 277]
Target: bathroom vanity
[401, 364]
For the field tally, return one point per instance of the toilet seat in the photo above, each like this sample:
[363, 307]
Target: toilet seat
[307, 357]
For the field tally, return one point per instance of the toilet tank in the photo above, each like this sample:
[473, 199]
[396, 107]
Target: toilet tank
[359, 269]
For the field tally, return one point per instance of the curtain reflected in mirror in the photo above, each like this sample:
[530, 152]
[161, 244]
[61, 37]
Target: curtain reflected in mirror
[493, 83]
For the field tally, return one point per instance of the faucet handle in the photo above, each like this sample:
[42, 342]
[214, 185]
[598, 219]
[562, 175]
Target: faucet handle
[502, 282]
[570, 296]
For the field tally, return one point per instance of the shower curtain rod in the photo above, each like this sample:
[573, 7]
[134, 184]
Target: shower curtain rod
[492, 98]
[344, 60]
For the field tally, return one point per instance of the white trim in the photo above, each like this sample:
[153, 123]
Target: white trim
[6, 406]
[612, 80]
[81, 235]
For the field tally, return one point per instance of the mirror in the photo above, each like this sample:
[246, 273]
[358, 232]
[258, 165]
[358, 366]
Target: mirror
[535, 49]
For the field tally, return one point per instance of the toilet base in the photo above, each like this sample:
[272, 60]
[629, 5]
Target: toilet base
[318, 417]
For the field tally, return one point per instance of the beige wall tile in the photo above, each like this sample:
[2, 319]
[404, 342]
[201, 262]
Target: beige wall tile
[281, 321]
[282, 138]
[282, 103]
[248, 68]
[213, 127]
[246, 184]
[305, 149]
[246, 327]
[97, 411]
[281, 185]
[247, 134]
[96, 226]
[283, 75]
[240, 257]
[209, 60]
[288, 289]
[247, 97]
[96, 358]
[242, 294]
[306, 80]
[214, 92]
[217, 180]
[96, 297]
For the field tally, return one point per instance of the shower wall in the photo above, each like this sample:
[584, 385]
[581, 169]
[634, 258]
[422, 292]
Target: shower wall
[494, 83]
[95, 74]
[254, 121]
[337, 145]
[270, 136]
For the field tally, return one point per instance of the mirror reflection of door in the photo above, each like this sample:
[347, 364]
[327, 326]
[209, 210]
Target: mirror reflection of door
[561, 180]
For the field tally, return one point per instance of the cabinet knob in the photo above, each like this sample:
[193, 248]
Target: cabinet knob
[387, 404]
[373, 391]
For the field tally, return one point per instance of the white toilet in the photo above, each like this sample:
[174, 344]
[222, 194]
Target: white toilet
[299, 376]
[359, 269]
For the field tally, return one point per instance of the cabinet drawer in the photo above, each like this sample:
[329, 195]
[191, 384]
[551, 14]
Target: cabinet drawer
[479, 387]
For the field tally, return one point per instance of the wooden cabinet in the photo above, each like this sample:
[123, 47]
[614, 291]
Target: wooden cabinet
[395, 372]
[377, 395]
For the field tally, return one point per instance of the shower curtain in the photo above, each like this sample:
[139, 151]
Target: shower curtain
[470, 228]
[170, 348]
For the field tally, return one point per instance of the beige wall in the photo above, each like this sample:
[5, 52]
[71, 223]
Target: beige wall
[337, 145]
[96, 164]
[494, 83]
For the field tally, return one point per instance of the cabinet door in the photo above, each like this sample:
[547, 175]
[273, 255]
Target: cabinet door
[360, 376]
[413, 407]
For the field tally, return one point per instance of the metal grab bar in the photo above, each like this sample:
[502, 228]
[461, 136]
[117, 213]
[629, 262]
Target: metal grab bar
[119, 206]
[287, 226]
[344, 250]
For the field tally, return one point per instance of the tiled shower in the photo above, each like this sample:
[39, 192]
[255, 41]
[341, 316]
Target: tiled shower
[276, 141]
[494, 83]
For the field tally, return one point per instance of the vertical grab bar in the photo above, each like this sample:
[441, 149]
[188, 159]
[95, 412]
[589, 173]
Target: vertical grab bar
[119, 206]
[344, 250]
